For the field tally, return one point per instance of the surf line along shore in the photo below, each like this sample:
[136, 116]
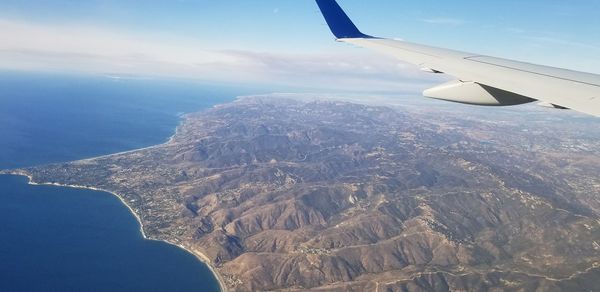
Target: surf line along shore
[200, 256]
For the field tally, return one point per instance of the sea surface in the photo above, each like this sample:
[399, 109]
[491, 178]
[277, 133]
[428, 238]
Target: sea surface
[61, 239]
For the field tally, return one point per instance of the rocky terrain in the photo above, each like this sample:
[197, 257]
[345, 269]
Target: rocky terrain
[324, 195]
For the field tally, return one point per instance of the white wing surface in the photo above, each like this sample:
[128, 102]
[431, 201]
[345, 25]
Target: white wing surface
[482, 80]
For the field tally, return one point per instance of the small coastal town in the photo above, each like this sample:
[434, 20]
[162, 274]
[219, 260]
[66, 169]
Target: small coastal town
[284, 194]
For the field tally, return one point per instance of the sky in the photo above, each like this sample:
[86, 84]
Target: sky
[286, 42]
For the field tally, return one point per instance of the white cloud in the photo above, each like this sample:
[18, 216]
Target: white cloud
[94, 43]
[86, 49]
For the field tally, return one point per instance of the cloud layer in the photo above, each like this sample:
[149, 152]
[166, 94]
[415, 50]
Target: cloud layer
[27, 46]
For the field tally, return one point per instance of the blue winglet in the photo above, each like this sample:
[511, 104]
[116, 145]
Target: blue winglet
[338, 21]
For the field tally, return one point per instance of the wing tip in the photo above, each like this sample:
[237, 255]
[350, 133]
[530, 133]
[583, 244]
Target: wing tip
[338, 21]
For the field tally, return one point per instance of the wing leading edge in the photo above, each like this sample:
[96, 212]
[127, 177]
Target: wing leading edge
[483, 80]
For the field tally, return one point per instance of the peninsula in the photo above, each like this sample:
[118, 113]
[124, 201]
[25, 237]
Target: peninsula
[282, 194]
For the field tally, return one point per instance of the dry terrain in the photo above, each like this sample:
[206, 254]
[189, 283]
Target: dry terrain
[325, 195]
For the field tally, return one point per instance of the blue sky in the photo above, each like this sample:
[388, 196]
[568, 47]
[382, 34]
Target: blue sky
[272, 32]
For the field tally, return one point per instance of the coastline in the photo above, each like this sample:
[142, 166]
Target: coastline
[200, 256]
[169, 141]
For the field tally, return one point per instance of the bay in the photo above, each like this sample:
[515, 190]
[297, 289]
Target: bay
[61, 239]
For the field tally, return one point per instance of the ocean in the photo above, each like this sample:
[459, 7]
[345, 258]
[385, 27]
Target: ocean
[62, 239]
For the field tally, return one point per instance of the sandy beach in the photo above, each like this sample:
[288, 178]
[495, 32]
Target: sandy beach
[200, 256]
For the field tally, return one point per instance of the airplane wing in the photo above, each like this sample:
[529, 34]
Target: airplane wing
[482, 80]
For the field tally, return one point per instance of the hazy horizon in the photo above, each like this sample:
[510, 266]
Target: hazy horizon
[285, 43]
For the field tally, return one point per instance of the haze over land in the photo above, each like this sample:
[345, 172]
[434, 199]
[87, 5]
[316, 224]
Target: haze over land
[287, 194]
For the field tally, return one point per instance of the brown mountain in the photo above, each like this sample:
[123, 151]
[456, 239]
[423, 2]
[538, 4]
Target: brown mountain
[324, 195]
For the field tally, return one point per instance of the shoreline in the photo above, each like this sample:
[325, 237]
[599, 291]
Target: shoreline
[198, 255]
[169, 141]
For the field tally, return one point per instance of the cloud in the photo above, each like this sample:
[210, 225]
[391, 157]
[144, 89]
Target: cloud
[444, 21]
[29, 46]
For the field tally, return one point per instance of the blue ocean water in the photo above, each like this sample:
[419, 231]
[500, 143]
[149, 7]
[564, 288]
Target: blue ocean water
[61, 239]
